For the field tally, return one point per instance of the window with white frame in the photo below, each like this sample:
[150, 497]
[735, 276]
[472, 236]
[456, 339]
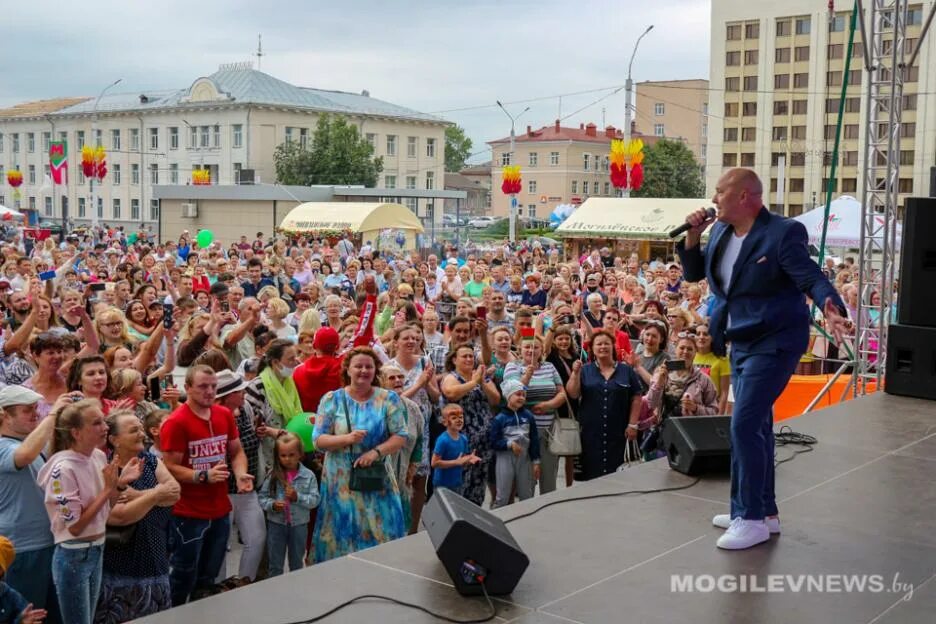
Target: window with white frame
[48, 206]
[30, 142]
[531, 210]
[410, 202]
[553, 159]
[586, 162]
[430, 148]
[173, 137]
[412, 143]
[46, 170]
[134, 173]
[115, 174]
[63, 135]
[607, 188]
[411, 182]
[575, 186]
[32, 174]
[100, 207]
[534, 159]
[134, 139]
[46, 142]
[154, 210]
[115, 208]
[32, 202]
[193, 137]
[134, 209]
[304, 138]
[659, 109]
[390, 181]
[154, 174]
[154, 138]
[204, 136]
[237, 173]
[1, 142]
[430, 180]
[371, 138]
[99, 138]
[81, 208]
[237, 135]
[174, 173]
[81, 177]
[531, 186]
[115, 139]
[79, 139]
[595, 190]
[216, 137]
[659, 130]
[505, 159]
[289, 134]
[391, 145]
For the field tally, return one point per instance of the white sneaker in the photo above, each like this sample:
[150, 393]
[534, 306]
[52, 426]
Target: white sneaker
[723, 521]
[743, 534]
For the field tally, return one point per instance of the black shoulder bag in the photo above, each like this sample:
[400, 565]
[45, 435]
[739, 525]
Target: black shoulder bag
[372, 478]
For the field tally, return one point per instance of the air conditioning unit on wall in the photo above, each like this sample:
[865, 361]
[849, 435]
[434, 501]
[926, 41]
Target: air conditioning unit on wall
[190, 210]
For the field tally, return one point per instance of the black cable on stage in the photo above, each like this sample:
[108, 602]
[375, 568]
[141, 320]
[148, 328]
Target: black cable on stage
[347, 603]
[786, 436]
[606, 495]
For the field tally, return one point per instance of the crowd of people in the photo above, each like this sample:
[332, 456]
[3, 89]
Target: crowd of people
[311, 396]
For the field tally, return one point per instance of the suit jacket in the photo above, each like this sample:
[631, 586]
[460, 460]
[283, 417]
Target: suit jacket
[765, 299]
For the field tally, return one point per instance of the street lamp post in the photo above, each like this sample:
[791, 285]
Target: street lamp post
[94, 212]
[513, 197]
[628, 97]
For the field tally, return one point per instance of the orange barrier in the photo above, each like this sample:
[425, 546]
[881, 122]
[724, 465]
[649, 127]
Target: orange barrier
[802, 389]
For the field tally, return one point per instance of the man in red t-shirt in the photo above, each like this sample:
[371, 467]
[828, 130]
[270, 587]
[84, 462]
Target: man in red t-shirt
[198, 439]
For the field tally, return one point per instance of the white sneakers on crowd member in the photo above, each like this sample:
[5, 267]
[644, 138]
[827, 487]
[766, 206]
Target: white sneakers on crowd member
[723, 521]
[743, 534]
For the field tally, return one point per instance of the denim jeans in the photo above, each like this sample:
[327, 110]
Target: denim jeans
[758, 379]
[31, 575]
[198, 549]
[282, 539]
[77, 575]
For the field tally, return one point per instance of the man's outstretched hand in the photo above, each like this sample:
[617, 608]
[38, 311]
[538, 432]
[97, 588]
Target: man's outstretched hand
[836, 324]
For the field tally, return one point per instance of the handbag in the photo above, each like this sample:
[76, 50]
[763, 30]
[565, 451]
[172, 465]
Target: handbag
[371, 478]
[119, 535]
[565, 437]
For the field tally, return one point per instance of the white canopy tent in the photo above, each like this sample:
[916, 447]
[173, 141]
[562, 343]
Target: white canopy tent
[844, 221]
[383, 223]
[8, 213]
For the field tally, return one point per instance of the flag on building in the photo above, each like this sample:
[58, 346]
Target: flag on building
[58, 161]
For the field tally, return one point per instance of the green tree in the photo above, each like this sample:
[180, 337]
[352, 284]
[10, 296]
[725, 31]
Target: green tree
[457, 148]
[338, 155]
[670, 170]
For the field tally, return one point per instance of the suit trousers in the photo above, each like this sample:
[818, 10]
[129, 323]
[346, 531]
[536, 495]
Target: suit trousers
[758, 380]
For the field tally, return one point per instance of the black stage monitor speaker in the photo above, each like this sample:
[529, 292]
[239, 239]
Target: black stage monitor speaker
[911, 361]
[916, 304]
[698, 444]
[463, 533]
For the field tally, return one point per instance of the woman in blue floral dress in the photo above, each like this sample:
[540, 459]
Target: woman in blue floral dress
[351, 520]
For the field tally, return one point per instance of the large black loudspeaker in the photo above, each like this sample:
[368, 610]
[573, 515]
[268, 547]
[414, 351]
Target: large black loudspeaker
[698, 444]
[911, 361]
[463, 533]
[932, 181]
[916, 303]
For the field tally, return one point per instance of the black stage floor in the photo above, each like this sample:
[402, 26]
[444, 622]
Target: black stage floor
[862, 503]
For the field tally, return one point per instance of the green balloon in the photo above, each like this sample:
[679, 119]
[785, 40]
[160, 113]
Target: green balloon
[132, 238]
[204, 238]
[302, 425]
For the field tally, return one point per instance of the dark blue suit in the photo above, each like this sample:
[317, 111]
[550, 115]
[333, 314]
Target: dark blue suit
[768, 332]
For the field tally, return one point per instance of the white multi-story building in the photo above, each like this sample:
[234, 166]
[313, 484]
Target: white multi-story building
[777, 70]
[229, 122]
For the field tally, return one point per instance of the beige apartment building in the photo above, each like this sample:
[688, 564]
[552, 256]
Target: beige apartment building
[558, 165]
[676, 109]
[229, 123]
[777, 70]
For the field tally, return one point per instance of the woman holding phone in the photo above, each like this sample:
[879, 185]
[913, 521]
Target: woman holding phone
[681, 389]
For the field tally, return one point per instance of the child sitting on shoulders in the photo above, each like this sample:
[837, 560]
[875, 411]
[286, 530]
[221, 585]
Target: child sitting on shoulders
[287, 495]
[515, 441]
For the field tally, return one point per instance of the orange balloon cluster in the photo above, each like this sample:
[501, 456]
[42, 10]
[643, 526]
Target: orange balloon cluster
[627, 158]
[201, 176]
[511, 180]
[93, 162]
[14, 178]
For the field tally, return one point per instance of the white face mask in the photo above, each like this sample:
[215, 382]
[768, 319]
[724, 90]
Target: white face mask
[287, 371]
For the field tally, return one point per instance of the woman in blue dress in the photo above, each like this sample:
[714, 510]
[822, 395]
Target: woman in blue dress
[609, 411]
[359, 425]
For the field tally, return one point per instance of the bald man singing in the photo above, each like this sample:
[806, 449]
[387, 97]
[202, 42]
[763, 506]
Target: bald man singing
[758, 267]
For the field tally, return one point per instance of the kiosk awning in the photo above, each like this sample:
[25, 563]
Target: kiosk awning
[620, 217]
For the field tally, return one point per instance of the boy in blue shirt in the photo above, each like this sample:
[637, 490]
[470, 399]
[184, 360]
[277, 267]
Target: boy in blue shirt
[515, 441]
[451, 451]
[13, 607]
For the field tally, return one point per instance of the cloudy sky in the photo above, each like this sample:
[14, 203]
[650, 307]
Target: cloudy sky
[437, 56]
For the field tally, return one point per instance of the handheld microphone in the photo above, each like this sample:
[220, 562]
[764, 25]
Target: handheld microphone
[685, 227]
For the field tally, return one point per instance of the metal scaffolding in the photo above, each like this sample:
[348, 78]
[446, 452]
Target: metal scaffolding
[884, 45]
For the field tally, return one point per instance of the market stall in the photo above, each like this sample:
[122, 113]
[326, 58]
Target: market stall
[389, 226]
[626, 225]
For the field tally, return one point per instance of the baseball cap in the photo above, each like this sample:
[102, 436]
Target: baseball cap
[18, 395]
[326, 340]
